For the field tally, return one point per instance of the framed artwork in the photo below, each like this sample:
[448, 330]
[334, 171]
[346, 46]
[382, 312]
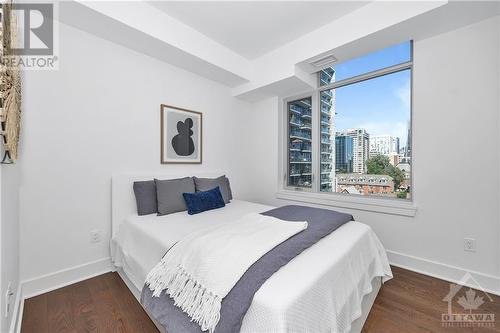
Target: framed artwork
[181, 135]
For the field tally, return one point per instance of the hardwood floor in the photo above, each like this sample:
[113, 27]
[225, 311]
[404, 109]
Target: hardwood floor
[100, 304]
[413, 302]
[410, 302]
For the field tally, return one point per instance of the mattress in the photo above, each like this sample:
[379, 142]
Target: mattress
[320, 290]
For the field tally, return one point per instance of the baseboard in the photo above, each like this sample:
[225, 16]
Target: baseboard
[15, 323]
[62, 278]
[48, 282]
[488, 283]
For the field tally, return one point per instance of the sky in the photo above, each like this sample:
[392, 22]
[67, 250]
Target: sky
[382, 105]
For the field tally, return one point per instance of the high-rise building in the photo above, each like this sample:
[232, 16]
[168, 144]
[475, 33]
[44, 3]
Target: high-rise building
[327, 132]
[343, 154]
[327, 76]
[361, 148]
[407, 153]
[300, 143]
[384, 145]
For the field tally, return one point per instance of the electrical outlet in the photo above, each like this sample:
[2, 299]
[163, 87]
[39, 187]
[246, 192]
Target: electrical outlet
[470, 244]
[8, 296]
[95, 236]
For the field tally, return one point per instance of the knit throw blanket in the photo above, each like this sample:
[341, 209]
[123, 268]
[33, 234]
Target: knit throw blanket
[201, 269]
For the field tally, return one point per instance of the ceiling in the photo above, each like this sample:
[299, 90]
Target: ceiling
[221, 40]
[254, 28]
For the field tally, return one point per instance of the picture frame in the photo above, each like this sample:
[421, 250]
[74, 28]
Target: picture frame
[181, 135]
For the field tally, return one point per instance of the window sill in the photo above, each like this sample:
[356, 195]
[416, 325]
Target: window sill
[385, 206]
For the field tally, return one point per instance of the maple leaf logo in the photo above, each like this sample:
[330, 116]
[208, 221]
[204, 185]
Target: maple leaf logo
[470, 301]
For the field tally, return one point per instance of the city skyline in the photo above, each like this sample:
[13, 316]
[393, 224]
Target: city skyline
[400, 147]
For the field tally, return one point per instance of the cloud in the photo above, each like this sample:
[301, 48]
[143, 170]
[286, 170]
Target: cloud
[403, 93]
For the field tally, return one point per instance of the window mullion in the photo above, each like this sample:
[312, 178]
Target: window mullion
[316, 165]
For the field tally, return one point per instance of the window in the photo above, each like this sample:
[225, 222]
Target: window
[391, 56]
[357, 136]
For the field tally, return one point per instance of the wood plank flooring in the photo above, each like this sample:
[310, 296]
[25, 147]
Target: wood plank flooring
[413, 302]
[101, 304]
[410, 302]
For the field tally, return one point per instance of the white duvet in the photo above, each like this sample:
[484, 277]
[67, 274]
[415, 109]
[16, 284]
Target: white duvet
[318, 291]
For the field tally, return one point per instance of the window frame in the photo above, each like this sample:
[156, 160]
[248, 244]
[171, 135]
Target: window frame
[395, 206]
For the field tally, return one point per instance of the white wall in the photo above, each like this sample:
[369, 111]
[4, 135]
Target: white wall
[456, 158]
[99, 114]
[9, 241]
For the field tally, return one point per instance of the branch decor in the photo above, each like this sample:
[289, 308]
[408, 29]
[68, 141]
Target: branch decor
[10, 86]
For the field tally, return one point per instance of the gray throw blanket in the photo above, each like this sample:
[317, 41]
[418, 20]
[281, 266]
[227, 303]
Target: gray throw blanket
[321, 222]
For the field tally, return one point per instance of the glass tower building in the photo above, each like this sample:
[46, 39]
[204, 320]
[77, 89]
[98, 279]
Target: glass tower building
[343, 154]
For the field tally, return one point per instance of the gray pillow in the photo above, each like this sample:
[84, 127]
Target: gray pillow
[145, 197]
[230, 193]
[169, 194]
[205, 184]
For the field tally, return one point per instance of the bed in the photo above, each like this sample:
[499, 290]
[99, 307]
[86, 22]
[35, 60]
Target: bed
[329, 287]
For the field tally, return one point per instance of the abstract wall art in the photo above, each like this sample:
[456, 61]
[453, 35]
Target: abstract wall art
[181, 135]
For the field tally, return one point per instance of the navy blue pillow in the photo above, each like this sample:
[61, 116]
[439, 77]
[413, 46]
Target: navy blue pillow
[204, 200]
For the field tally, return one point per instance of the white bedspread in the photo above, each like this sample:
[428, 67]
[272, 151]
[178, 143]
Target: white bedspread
[318, 291]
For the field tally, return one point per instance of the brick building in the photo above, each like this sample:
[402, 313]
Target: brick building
[365, 184]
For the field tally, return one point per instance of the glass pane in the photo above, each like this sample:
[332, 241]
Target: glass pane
[327, 76]
[299, 143]
[372, 141]
[390, 56]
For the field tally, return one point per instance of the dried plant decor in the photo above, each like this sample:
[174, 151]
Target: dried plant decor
[10, 86]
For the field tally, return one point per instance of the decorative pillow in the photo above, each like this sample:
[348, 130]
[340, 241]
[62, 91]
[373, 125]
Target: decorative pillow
[145, 197]
[203, 200]
[169, 194]
[230, 193]
[205, 184]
